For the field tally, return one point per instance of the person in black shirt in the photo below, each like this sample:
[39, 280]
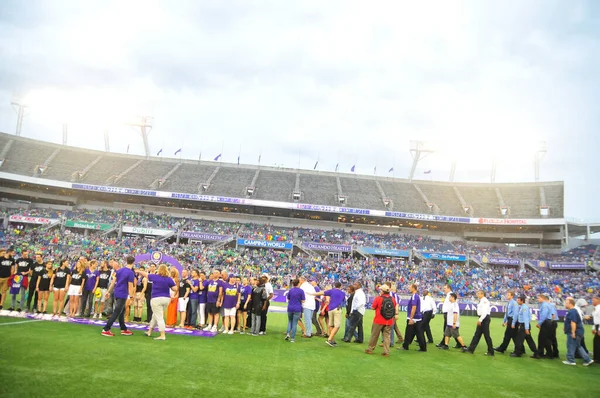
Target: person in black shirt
[182, 301]
[76, 288]
[38, 268]
[23, 267]
[140, 296]
[42, 288]
[6, 271]
[62, 279]
[151, 270]
[103, 280]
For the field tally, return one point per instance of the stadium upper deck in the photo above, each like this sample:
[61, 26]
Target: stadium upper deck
[47, 161]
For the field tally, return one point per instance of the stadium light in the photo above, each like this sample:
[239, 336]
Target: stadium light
[420, 150]
[20, 106]
[144, 124]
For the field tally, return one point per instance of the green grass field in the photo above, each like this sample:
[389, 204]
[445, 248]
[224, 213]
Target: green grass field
[50, 359]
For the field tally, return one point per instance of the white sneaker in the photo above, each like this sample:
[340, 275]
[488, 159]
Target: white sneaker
[207, 329]
[261, 333]
[569, 363]
[242, 332]
[213, 329]
[230, 332]
[588, 363]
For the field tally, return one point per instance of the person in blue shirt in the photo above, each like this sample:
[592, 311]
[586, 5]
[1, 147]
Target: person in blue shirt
[509, 316]
[522, 324]
[554, 326]
[545, 325]
[574, 331]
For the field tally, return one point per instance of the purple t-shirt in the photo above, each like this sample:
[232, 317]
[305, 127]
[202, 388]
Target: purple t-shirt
[230, 295]
[90, 279]
[246, 291]
[124, 276]
[336, 298]
[212, 290]
[161, 285]
[415, 301]
[194, 295]
[202, 293]
[295, 297]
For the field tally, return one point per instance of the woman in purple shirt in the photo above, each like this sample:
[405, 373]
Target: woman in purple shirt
[231, 302]
[161, 297]
[295, 299]
[245, 293]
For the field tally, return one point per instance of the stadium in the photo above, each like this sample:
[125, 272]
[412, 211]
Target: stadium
[131, 267]
[68, 201]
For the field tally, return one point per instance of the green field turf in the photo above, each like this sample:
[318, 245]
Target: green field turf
[50, 359]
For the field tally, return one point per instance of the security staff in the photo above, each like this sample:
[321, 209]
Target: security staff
[545, 325]
[522, 324]
[509, 316]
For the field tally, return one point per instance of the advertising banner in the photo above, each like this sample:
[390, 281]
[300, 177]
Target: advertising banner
[31, 220]
[501, 261]
[326, 247]
[265, 243]
[87, 225]
[567, 265]
[444, 257]
[203, 236]
[385, 252]
[146, 231]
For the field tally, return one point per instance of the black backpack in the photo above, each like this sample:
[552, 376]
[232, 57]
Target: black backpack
[387, 310]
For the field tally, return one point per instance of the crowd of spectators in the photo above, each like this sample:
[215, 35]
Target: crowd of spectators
[267, 232]
[213, 227]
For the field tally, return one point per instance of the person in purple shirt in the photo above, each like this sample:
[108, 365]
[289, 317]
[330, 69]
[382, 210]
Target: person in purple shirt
[202, 300]
[231, 302]
[162, 284]
[414, 321]
[336, 303]
[295, 299]
[214, 295]
[194, 284]
[91, 283]
[242, 314]
[123, 289]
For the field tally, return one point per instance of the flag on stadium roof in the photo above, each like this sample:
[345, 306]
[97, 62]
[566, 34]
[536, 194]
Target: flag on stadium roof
[127, 148]
[390, 170]
[352, 169]
[316, 164]
[375, 170]
[427, 171]
[177, 151]
[159, 152]
[217, 157]
[337, 166]
[238, 160]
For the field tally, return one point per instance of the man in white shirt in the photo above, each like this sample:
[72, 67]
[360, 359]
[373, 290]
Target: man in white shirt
[483, 326]
[356, 315]
[446, 307]
[595, 317]
[429, 309]
[308, 307]
[263, 314]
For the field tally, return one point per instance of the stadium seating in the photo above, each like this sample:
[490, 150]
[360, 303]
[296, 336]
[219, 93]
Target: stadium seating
[484, 201]
[188, 178]
[404, 196]
[444, 197]
[24, 156]
[231, 182]
[319, 189]
[362, 193]
[107, 167]
[275, 185]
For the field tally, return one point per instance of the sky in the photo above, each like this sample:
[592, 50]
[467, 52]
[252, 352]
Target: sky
[333, 82]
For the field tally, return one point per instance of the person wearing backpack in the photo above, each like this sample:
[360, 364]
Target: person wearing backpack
[385, 315]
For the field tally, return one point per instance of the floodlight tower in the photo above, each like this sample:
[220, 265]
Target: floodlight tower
[452, 170]
[145, 125]
[20, 107]
[419, 150]
[106, 142]
[494, 167]
[65, 133]
[540, 152]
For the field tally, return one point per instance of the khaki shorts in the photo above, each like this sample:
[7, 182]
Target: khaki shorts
[140, 300]
[335, 318]
[451, 332]
[3, 284]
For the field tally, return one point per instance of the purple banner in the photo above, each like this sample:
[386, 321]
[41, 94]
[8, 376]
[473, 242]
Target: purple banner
[203, 236]
[157, 258]
[501, 261]
[327, 247]
[567, 265]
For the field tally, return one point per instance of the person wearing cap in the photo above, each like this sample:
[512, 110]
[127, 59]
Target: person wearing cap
[595, 318]
[308, 306]
[380, 324]
[580, 305]
[263, 314]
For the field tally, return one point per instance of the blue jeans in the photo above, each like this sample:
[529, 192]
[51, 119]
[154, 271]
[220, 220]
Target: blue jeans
[119, 312]
[308, 320]
[194, 311]
[293, 318]
[574, 345]
[355, 321]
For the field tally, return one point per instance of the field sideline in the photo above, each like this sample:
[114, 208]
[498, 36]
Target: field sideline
[60, 359]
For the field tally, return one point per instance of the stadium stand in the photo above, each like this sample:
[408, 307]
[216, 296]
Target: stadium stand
[67, 162]
[231, 182]
[275, 185]
[361, 193]
[444, 198]
[523, 200]
[483, 200]
[319, 189]
[107, 167]
[405, 196]
[23, 156]
[188, 176]
[146, 173]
